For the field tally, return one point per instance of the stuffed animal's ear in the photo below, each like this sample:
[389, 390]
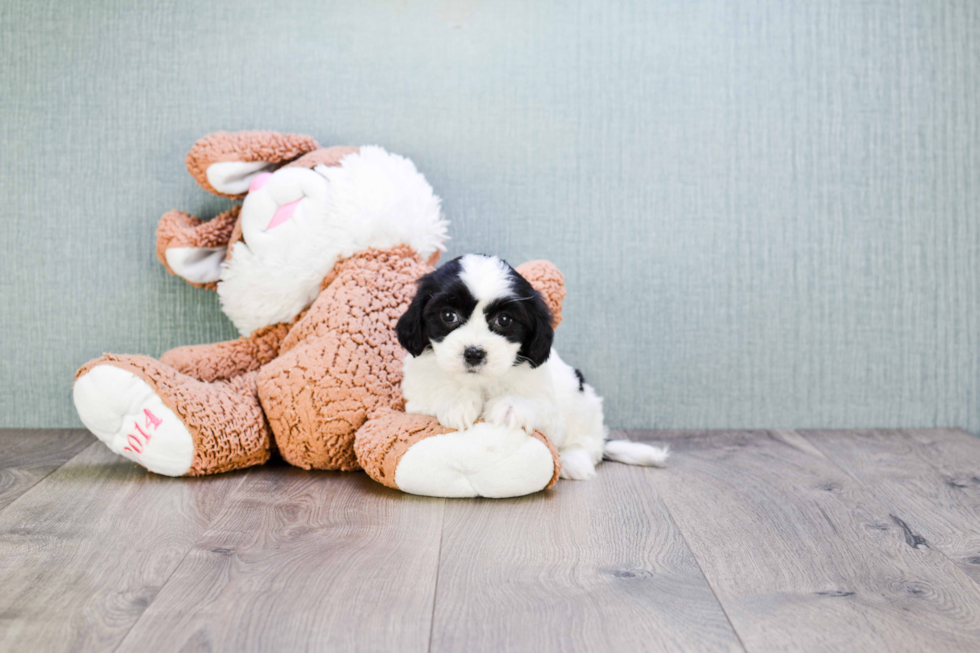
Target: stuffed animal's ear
[545, 277]
[225, 163]
[411, 329]
[326, 156]
[194, 249]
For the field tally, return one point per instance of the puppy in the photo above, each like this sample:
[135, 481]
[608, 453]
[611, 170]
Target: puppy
[479, 342]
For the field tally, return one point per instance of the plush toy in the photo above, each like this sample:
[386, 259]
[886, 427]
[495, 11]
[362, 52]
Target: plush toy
[314, 268]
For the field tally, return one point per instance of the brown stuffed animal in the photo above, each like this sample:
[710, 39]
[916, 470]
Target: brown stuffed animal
[314, 268]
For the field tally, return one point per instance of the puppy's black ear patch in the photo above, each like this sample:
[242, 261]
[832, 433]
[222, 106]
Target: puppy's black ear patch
[536, 347]
[412, 334]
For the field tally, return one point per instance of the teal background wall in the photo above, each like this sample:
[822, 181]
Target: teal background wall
[768, 212]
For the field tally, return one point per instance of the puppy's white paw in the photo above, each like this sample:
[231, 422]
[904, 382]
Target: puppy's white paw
[511, 412]
[577, 465]
[460, 413]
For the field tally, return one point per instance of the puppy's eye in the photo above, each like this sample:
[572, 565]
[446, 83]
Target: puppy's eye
[450, 317]
[503, 321]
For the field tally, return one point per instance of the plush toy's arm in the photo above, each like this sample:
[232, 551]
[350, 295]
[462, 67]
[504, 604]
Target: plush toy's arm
[225, 360]
[415, 454]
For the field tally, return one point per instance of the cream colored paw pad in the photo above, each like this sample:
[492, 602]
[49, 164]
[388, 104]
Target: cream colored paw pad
[483, 461]
[126, 414]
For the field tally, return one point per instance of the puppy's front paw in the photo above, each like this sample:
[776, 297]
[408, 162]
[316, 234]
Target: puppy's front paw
[511, 412]
[462, 412]
[576, 465]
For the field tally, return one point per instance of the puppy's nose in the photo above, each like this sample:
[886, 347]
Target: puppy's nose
[474, 355]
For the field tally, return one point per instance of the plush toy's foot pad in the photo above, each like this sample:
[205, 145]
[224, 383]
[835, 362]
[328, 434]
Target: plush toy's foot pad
[131, 419]
[482, 461]
[415, 454]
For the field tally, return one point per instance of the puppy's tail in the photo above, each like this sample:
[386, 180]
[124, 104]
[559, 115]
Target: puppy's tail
[635, 453]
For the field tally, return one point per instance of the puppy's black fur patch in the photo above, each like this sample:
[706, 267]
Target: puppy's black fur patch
[581, 380]
[443, 291]
[439, 290]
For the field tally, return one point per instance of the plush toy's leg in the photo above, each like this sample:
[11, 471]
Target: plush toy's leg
[222, 361]
[317, 395]
[314, 404]
[415, 454]
[171, 423]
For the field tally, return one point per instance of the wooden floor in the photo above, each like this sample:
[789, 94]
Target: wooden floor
[754, 541]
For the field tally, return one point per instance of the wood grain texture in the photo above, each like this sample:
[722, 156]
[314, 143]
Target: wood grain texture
[805, 558]
[931, 476]
[756, 541]
[593, 566]
[28, 455]
[303, 561]
[86, 550]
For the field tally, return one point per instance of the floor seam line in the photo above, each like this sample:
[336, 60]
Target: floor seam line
[707, 580]
[181, 562]
[48, 475]
[435, 587]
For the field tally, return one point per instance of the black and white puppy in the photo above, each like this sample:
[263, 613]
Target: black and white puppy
[479, 342]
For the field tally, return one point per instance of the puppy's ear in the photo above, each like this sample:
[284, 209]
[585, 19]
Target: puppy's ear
[412, 334]
[537, 345]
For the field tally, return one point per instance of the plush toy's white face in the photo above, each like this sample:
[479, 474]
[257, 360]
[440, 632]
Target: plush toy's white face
[290, 240]
[298, 222]
[279, 204]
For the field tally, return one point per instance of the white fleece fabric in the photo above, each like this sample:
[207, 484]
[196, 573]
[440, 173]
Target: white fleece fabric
[131, 419]
[482, 461]
[372, 199]
[196, 264]
[234, 177]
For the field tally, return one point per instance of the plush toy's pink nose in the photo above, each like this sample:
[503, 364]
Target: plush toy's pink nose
[260, 181]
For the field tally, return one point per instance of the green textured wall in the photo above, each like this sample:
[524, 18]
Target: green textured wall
[767, 211]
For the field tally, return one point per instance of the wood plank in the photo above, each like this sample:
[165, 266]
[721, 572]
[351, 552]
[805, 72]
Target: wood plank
[304, 561]
[28, 455]
[804, 558]
[87, 549]
[592, 566]
[932, 476]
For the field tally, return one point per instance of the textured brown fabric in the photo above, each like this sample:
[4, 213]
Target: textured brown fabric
[314, 383]
[341, 363]
[244, 146]
[224, 360]
[554, 454]
[548, 280]
[236, 235]
[224, 418]
[328, 156]
[384, 439]
[179, 229]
